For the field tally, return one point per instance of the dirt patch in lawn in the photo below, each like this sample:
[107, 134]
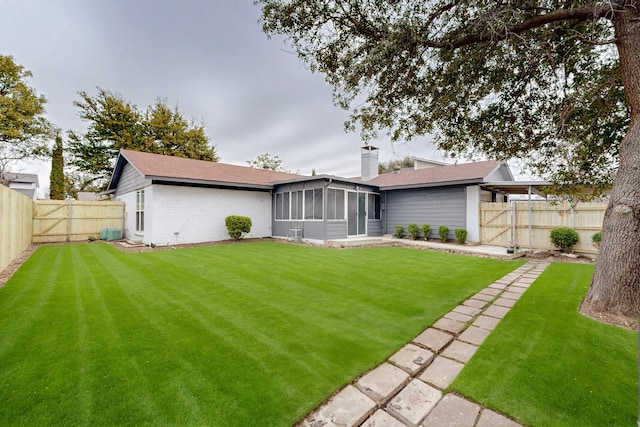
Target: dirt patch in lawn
[620, 320]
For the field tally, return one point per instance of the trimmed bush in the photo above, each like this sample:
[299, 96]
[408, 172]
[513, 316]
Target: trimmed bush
[414, 231]
[399, 231]
[461, 235]
[596, 239]
[443, 231]
[564, 238]
[426, 230]
[237, 225]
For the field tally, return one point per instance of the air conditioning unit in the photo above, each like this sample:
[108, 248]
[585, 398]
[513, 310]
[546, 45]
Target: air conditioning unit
[296, 235]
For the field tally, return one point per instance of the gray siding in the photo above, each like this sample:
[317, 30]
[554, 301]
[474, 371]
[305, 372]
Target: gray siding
[336, 230]
[310, 229]
[433, 206]
[131, 180]
[374, 227]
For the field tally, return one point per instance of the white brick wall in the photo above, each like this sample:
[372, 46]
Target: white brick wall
[473, 219]
[177, 215]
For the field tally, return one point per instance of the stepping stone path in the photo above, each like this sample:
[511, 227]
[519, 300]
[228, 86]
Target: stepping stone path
[407, 390]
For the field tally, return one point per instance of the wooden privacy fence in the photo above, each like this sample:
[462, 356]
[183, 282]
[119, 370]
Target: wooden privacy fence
[16, 224]
[71, 220]
[529, 224]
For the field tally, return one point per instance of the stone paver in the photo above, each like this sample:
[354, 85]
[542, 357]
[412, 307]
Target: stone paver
[483, 297]
[474, 335]
[442, 372]
[460, 351]
[433, 339]
[516, 290]
[511, 295]
[411, 358]
[472, 311]
[414, 402]
[475, 303]
[498, 286]
[488, 291]
[496, 311]
[383, 382]
[488, 418]
[453, 411]
[486, 322]
[450, 325]
[347, 408]
[505, 302]
[458, 316]
[526, 280]
[382, 419]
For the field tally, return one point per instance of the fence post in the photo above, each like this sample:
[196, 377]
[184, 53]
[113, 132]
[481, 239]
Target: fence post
[69, 225]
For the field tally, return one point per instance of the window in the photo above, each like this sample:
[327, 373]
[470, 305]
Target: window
[282, 205]
[374, 206]
[335, 203]
[296, 205]
[139, 211]
[313, 204]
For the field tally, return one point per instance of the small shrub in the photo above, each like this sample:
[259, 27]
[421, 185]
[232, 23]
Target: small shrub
[564, 238]
[461, 235]
[92, 238]
[443, 231]
[596, 239]
[236, 225]
[414, 231]
[426, 230]
[399, 231]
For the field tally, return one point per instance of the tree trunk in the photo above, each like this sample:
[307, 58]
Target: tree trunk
[615, 286]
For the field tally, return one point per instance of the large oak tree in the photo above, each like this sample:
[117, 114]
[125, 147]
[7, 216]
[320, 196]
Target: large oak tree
[553, 82]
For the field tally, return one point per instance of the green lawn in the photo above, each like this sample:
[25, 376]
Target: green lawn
[241, 334]
[547, 365]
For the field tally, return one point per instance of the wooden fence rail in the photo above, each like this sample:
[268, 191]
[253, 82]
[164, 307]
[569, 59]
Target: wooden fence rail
[16, 225]
[530, 225]
[71, 220]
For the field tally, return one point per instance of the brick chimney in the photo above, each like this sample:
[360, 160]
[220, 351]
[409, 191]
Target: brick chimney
[369, 162]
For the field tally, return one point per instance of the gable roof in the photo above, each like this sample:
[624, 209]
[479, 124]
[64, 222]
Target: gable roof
[163, 168]
[466, 173]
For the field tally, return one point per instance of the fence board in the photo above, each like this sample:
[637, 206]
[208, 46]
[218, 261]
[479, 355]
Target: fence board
[496, 223]
[16, 225]
[71, 220]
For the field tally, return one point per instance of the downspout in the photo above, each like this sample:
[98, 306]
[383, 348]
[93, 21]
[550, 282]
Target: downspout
[530, 226]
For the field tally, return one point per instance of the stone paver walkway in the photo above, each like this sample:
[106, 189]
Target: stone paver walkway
[407, 390]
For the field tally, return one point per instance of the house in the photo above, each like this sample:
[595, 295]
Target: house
[25, 183]
[173, 200]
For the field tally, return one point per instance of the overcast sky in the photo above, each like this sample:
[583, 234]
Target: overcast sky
[210, 58]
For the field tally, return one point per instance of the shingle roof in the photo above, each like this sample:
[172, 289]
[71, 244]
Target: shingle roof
[437, 175]
[189, 170]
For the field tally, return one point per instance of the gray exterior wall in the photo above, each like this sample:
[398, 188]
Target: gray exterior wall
[433, 206]
[131, 180]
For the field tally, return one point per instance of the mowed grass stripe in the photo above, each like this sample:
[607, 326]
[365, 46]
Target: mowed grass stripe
[548, 365]
[246, 334]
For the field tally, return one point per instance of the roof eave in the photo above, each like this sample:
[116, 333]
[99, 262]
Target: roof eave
[432, 184]
[208, 183]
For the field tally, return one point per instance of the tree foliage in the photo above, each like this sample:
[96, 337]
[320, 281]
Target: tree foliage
[385, 167]
[23, 129]
[556, 83]
[56, 178]
[502, 79]
[267, 161]
[115, 123]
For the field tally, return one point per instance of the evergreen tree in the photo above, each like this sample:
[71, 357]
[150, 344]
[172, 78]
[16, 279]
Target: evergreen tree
[57, 181]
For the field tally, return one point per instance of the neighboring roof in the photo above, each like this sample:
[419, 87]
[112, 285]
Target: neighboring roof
[466, 173]
[26, 178]
[182, 170]
[517, 187]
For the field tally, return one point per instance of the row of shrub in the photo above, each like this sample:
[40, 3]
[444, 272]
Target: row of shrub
[443, 232]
